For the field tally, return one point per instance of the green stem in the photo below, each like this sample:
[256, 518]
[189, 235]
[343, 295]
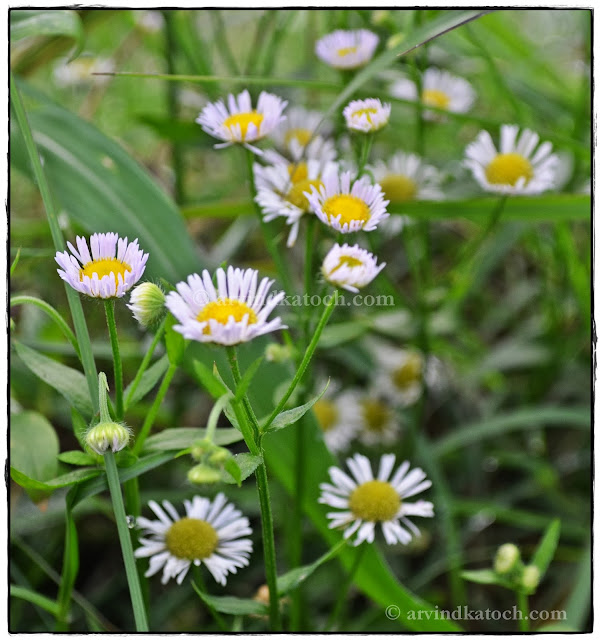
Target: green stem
[327, 312]
[522, 602]
[222, 43]
[343, 592]
[368, 139]
[137, 601]
[109, 308]
[264, 502]
[265, 229]
[145, 362]
[81, 329]
[154, 409]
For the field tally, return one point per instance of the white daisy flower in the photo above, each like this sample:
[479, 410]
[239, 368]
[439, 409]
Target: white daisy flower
[348, 207]
[347, 49]
[351, 268]
[440, 89]
[364, 501]
[401, 375]
[518, 168]
[211, 533]
[295, 136]
[336, 418]
[282, 190]
[236, 311]
[238, 122]
[366, 115]
[378, 424]
[406, 177]
[111, 269]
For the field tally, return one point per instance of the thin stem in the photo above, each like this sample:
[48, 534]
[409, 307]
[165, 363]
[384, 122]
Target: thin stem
[109, 308]
[365, 149]
[81, 329]
[222, 43]
[522, 602]
[325, 316]
[343, 592]
[145, 362]
[137, 601]
[154, 409]
[264, 502]
[265, 229]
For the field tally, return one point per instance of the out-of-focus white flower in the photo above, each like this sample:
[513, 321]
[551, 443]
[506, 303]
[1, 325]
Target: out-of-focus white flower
[367, 116]
[347, 49]
[351, 268]
[297, 140]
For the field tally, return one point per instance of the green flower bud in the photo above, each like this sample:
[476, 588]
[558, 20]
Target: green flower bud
[395, 40]
[507, 558]
[107, 434]
[147, 304]
[203, 474]
[219, 456]
[275, 352]
[201, 449]
[530, 577]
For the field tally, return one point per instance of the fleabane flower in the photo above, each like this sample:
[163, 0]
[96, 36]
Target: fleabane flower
[239, 122]
[401, 375]
[367, 116]
[346, 206]
[296, 137]
[347, 49]
[351, 268]
[283, 188]
[335, 416]
[236, 311]
[111, 269]
[518, 168]
[378, 424]
[405, 177]
[211, 533]
[440, 89]
[364, 501]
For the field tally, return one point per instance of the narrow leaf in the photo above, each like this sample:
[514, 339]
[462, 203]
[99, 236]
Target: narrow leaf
[78, 458]
[231, 605]
[246, 464]
[546, 548]
[184, 437]
[148, 381]
[289, 417]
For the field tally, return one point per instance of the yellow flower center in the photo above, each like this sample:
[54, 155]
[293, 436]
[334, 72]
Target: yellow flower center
[375, 415]
[297, 196]
[243, 119]
[298, 172]
[349, 208]
[348, 261]
[398, 188]
[326, 413]
[105, 267]
[368, 111]
[191, 539]
[409, 373]
[302, 135]
[436, 98]
[345, 51]
[223, 309]
[508, 168]
[375, 501]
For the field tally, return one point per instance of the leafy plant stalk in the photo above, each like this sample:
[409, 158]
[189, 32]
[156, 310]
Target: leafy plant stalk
[109, 308]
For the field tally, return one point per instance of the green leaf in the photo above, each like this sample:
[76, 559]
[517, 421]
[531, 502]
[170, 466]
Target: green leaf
[232, 472]
[35, 598]
[486, 576]
[85, 166]
[289, 417]
[183, 437]
[149, 379]
[55, 22]
[526, 418]
[294, 578]
[546, 548]
[246, 464]
[231, 605]
[80, 427]
[14, 264]
[33, 449]
[66, 480]
[78, 458]
[246, 379]
[69, 382]
[205, 376]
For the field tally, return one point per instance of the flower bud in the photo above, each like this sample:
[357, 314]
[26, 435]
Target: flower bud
[219, 456]
[107, 434]
[530, 577]
[147, 304]
[395, 40]
[275, 352]
[203, 474]
[507, 558]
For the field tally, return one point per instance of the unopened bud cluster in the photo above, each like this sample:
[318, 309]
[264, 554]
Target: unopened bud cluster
[508, 564]
[210, 458]
[105, 435]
